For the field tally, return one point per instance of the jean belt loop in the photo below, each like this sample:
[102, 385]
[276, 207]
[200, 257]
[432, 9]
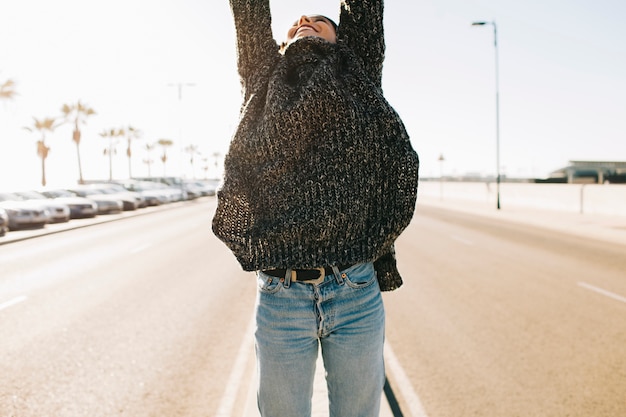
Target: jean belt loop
[338, 276]
[287, 282]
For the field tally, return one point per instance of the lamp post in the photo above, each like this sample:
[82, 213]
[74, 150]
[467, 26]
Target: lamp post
[495, 44]
[441, 159]
[180, 86]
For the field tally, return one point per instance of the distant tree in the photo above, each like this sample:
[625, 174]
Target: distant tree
[109, 151]
[130, 133]
[7, 90]
[164, 143]
[205, 166]
[148, 160]
[43, 126]
[76, 114]
[192, 150]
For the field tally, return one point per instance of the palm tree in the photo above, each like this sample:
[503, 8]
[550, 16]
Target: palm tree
[130, 133]
[43, 126]
[148, 160]
[77, 113]
[111, 135]
[205, 167]
[192, 150]
[164, 143]
[7, 90]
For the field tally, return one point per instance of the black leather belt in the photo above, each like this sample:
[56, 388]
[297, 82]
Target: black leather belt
[304, 275]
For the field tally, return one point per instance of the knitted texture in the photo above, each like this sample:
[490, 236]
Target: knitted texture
[320, 170]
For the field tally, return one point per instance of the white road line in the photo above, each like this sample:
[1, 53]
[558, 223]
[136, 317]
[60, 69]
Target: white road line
[464, 241]
[416, 409]
[12, 302]
[603, 292]
[235, 380]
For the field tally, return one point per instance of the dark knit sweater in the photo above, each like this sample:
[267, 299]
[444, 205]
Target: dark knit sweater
[320, 170]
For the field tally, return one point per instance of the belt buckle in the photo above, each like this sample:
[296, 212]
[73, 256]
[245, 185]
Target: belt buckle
[320, 279]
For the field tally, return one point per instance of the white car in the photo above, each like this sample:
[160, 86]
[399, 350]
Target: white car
[80, 207]
[107, 204]
[4, 222]
[59, 212]
[23, 214]
[99, 191]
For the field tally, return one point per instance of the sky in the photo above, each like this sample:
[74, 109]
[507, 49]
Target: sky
[561, 82]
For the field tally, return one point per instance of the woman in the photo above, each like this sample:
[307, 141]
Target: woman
[320, 179]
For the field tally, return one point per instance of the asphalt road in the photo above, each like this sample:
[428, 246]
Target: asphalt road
[138, 317]
[147, 316]
[505, 319]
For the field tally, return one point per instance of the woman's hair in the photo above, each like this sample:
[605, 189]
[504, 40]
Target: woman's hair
[332, 22]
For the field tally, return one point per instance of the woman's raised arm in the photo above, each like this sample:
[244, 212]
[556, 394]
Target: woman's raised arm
[361, 28]
[256, 47]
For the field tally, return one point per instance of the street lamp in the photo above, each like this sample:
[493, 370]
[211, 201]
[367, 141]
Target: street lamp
[495, 44]
[441, 159]
[180, 86]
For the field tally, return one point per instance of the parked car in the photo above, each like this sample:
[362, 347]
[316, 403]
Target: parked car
[106, 203]
[195, 189]
[213, 185]
[172, 183]
[204, 187]
[173, 192]
[23, 214]
[4, 222]
[129, 202]
[148, 190]
[131, 199]
[80, 207]
[59, 212]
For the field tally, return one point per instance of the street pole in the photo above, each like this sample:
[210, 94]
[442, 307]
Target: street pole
[495, 44]
[180, 86]
[441, 159]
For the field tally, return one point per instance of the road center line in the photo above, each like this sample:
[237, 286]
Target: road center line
[416, 409]
[12, 302]
[603, 292]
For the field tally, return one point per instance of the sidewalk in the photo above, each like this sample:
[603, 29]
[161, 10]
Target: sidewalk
[610, 228]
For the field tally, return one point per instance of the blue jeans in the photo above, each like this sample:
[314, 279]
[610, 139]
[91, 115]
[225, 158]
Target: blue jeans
[344, 314]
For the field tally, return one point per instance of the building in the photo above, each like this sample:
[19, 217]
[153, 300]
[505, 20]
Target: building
[589, 172]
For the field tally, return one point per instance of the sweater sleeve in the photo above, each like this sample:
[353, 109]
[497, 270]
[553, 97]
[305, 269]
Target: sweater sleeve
[256, 48]
[361, 28]
[387, 271]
